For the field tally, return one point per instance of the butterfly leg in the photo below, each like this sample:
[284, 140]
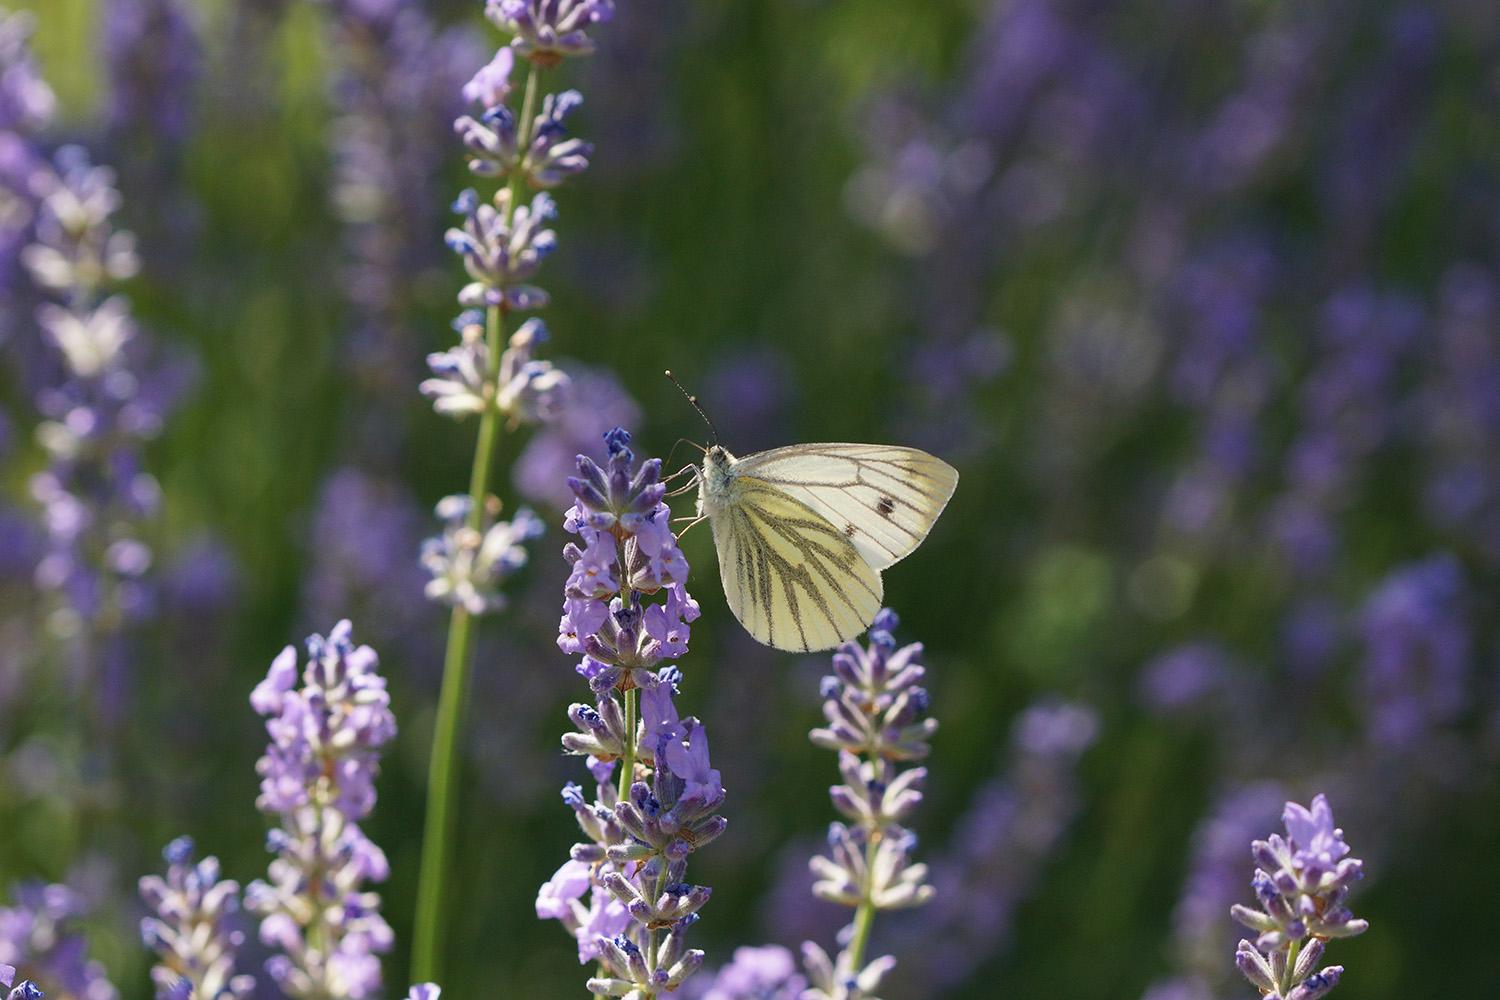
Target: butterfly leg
[691, 522]
[686, 488]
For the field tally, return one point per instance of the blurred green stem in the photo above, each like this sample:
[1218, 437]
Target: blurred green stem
[864, 916]
[442, 776]
[430, 929]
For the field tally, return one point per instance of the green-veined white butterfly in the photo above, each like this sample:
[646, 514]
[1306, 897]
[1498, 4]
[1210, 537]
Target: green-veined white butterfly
[803, 532]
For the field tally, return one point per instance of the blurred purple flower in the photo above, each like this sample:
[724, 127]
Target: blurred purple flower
[765, 973]
[193, 929]
[595, 402]
[1417, 648]
[317, 784]
[1013, 823]
[39, 934]
[152, 52]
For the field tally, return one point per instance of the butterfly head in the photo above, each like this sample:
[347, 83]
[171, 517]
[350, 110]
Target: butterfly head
[713, 485]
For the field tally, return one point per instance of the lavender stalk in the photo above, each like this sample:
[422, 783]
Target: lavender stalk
[502, 243]
[875, 707]
[626, 609]
[318, 782]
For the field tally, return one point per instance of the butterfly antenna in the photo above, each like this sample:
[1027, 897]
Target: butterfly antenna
[679, 441]
[693, 400]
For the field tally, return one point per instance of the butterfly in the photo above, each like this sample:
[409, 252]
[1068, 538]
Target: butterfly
[803, 532]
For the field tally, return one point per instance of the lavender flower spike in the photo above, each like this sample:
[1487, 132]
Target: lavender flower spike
[875, 706]
[623, 893]
[1301, 885]
[193, 929]
[318, 782]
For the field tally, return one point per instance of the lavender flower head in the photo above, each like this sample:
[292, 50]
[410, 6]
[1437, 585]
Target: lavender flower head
[39, 935]
[546, 31]
[623, 893]
[469, 565]
[628, 551]
[550, 157]
[318, 782]
[503, 248]
[193, 928]
[876, 711]
[1301, 884]
[524, 390]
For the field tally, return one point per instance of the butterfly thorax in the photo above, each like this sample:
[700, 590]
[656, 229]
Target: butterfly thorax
[716, 484]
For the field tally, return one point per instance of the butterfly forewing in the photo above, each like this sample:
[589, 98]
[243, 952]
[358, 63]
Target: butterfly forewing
[883, 498]
[793, 578]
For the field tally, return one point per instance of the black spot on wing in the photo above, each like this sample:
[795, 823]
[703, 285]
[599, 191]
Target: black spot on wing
[886, 506]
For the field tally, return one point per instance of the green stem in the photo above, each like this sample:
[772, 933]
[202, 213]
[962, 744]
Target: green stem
[442, 776]
[632, 723]
[864, 916]
[1289, 976]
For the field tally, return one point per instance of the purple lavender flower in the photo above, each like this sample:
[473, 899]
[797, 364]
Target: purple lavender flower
[503, 249]
[547, 30]
[193, 929]
[1301, 885]
[151, 50]
[628, 547]
[101, 396]
[639, 834]
[876, 710]
[594, 403]
[996, 856]
[1417, 641]
[765, 973]
[318, 783]
[39, 934]
[551, 156]
[468, 565]
[490, 86]
[530, 391]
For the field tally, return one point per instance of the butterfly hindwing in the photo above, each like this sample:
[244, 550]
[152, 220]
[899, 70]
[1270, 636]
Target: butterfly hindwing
[793, 579]
[884, 498]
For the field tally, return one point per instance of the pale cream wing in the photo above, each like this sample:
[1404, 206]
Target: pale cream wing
[793, 580]
[884, 498]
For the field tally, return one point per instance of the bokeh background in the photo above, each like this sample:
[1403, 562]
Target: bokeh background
[1200, 297]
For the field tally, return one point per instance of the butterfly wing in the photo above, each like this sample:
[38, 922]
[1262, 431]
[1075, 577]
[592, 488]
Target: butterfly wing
[884, 498]
[793, 579]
